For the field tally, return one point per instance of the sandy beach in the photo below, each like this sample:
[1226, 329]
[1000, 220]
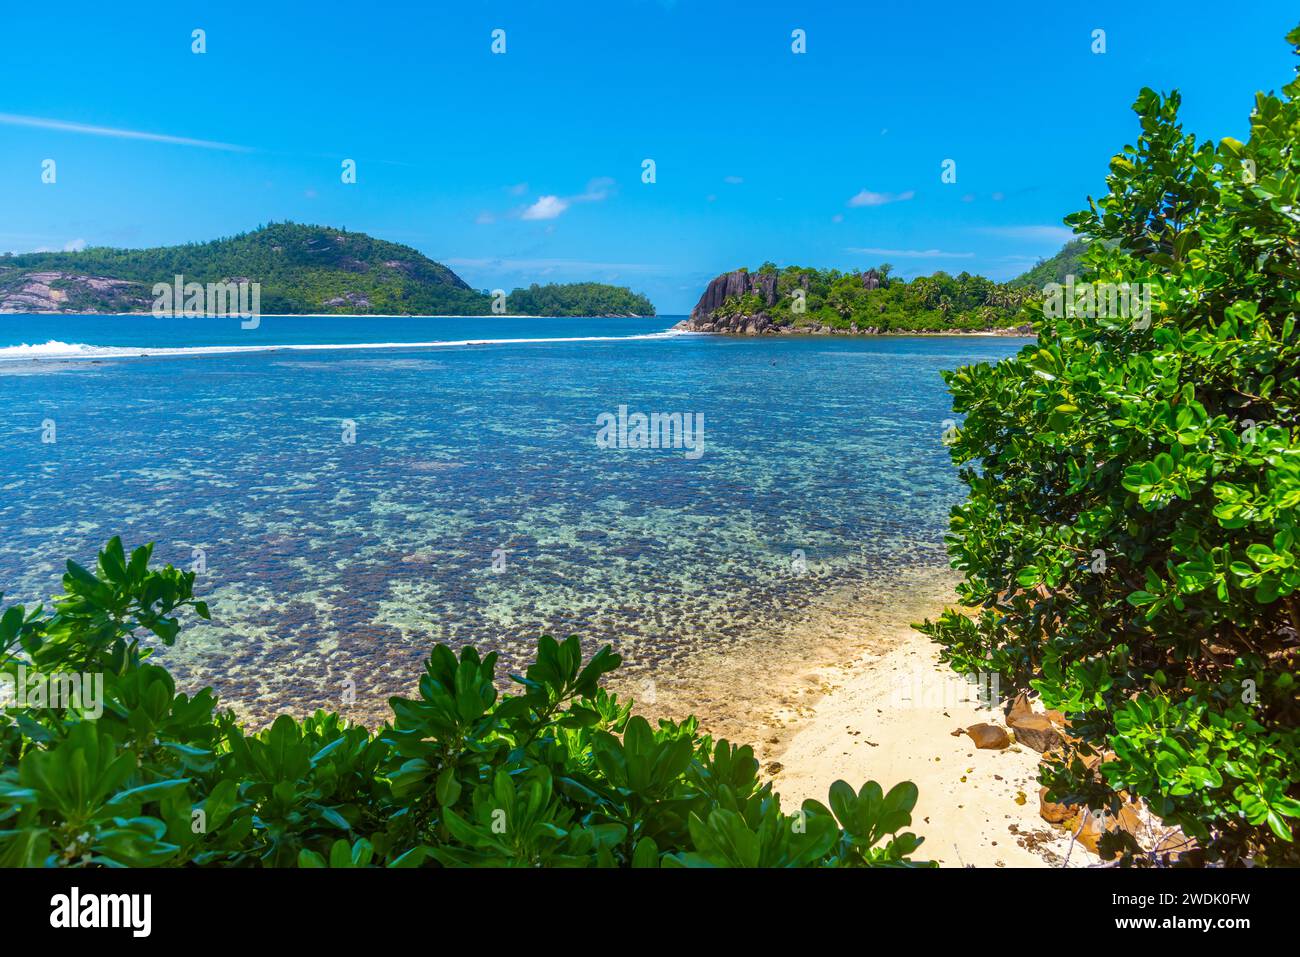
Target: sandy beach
[891, 718]
[852, 692]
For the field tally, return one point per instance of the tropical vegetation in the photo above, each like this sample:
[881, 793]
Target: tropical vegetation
[558, 773]
[1131, 539]
[310, 270]
[878, 300]
[578, 299]
[1068, 261]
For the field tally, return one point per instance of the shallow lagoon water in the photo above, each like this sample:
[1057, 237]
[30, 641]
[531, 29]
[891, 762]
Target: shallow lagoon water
[333, 564]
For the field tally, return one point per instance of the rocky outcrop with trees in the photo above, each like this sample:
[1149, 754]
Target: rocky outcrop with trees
[814, 301]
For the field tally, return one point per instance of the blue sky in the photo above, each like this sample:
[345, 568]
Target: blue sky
[527, 166]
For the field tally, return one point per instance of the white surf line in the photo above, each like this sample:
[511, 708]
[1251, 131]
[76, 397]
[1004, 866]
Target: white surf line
[63, 351]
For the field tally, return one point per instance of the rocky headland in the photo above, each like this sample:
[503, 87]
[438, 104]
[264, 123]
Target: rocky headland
[812, 302]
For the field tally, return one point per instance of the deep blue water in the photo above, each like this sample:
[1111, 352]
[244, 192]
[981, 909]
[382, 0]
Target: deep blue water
[329, 560]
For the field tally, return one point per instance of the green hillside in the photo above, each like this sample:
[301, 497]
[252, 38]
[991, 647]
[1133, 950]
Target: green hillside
[302, 269]
[1067, 262]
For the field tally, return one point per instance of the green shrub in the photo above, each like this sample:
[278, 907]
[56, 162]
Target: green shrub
[559, 774]
[1130, 536]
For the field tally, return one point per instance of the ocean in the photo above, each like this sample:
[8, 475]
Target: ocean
[352, 490]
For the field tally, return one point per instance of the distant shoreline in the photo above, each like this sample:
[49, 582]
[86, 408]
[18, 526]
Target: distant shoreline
[785, 333]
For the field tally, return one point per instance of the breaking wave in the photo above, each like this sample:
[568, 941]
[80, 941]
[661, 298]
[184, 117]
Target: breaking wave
[55, 349]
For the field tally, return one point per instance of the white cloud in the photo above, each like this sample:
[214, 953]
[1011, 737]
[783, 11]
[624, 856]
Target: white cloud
[551, 206]
[546, 207]
[733, 180]
[911, 253]
[867, 198]
[13, 119]
[518, 189]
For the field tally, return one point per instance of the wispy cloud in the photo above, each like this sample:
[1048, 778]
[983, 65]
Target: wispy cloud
[910, 253]
[1055, 234]
[598, 189]
[63, 126]
[867, 198]
[71, 246]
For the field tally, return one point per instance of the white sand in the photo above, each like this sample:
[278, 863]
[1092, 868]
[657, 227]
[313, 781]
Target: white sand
[849, 690]
[890, 718]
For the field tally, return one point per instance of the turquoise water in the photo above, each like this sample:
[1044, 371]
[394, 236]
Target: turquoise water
[473, 504]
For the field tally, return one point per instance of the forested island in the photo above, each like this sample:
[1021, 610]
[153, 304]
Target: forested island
[578, 299]
[303, 270]
[796, 299]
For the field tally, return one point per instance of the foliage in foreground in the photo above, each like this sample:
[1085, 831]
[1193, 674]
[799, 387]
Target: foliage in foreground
[559, 774]
[1131, 533]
